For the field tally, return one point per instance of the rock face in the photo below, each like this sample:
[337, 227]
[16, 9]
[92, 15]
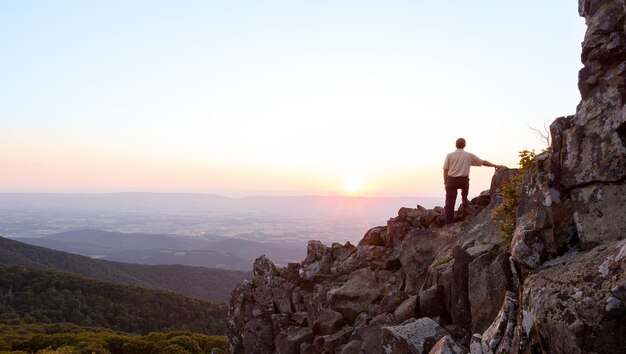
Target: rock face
[415, 286]
[344, 297]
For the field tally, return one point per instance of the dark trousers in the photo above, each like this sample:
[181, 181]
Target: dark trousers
[452, 185]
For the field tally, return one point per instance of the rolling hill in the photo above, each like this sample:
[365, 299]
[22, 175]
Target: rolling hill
[32, 295]
[198, 282]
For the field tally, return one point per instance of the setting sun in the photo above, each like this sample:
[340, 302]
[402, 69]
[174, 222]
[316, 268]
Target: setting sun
[352, 185]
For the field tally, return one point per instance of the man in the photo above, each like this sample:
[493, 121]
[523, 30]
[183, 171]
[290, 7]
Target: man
[456, 170]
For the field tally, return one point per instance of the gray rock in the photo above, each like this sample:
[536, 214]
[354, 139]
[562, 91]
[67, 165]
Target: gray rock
[333, 341]
[490, 279]
[289, 341]
[599, 214]
[257, 337]
[407, 309]
[263, 266]
[299, 318]
[432, 304]
[391, 301]
[447, 345]
[356, 295]
[416, 255]
[498, 338]
[353, 347]
[569, 307]
[414, 336]
[460, 308]
[374, 237]
[327, 322]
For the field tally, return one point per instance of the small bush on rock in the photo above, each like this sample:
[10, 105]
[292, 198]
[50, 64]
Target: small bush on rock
[504, 215]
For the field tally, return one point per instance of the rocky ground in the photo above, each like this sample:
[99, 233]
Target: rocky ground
[414, 286]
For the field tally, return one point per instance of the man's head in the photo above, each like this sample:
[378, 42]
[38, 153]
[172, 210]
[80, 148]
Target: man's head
[460, 143]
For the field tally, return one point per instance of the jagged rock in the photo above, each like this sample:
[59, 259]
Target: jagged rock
[447, 345]
[332, 341]
[499, 337]
[353, 347]
[258, 337]
[355, 295]
[281, 294]
[263, 266]
[315, 261]
[414, 336]
[326, 322]
[407, 309]
[299, 318]
[374, 236]
[396, 231]
[599, 213]
[391, 301]
[490, 279]
[432, 303]
[545, 226]
[569, 307]
[416, 254]
[371, 337]
[288, 341]
[460, 308]
[441, 274]
[279, 322]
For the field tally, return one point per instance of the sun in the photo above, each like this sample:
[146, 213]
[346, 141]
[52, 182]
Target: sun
[352, 185]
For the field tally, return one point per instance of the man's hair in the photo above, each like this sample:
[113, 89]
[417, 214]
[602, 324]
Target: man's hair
[460, 143]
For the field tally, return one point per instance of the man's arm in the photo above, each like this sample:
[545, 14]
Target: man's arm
[489, 164]
[445, 175]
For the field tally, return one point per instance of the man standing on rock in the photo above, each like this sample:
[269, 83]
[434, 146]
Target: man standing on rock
[456, 170]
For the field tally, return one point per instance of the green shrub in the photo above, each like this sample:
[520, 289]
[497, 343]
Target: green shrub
[505, 214]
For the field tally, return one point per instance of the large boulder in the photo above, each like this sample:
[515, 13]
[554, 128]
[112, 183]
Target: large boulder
[355, 295]
[258, 337]
[460, 307]
[416, 255]
[289, 341]
[412, 337]
[574, 304]
[407, 309]
[490, 279]
[327, 321]
[432, 303]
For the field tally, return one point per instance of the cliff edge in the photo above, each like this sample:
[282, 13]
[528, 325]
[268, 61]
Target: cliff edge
[413, 286]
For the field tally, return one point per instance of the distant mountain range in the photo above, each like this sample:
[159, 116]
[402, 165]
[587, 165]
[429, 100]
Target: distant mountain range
[341, 205]
[198, 282]
[215, 252]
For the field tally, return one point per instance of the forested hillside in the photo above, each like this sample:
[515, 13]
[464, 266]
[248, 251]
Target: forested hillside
[30, 295]
[67, 338]
[199, 282]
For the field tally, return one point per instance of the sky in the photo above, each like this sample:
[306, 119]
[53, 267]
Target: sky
[243, 98]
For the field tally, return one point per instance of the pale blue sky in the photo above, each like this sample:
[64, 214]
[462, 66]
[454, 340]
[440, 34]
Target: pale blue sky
[275, 97]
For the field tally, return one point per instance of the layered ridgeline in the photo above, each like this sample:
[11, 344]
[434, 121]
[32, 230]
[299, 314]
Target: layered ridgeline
[558, 285]
[203, 283]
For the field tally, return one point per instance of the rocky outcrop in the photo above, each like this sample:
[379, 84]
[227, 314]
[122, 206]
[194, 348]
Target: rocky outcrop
[415, 286]
[393, 290]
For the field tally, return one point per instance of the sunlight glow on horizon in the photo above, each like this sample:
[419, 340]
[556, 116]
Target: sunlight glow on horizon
[284, 98]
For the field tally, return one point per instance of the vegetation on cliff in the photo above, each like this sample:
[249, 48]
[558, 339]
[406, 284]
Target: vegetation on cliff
[505, 214]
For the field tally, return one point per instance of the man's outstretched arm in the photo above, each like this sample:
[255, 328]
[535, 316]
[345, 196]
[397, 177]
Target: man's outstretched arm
[489, 164]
